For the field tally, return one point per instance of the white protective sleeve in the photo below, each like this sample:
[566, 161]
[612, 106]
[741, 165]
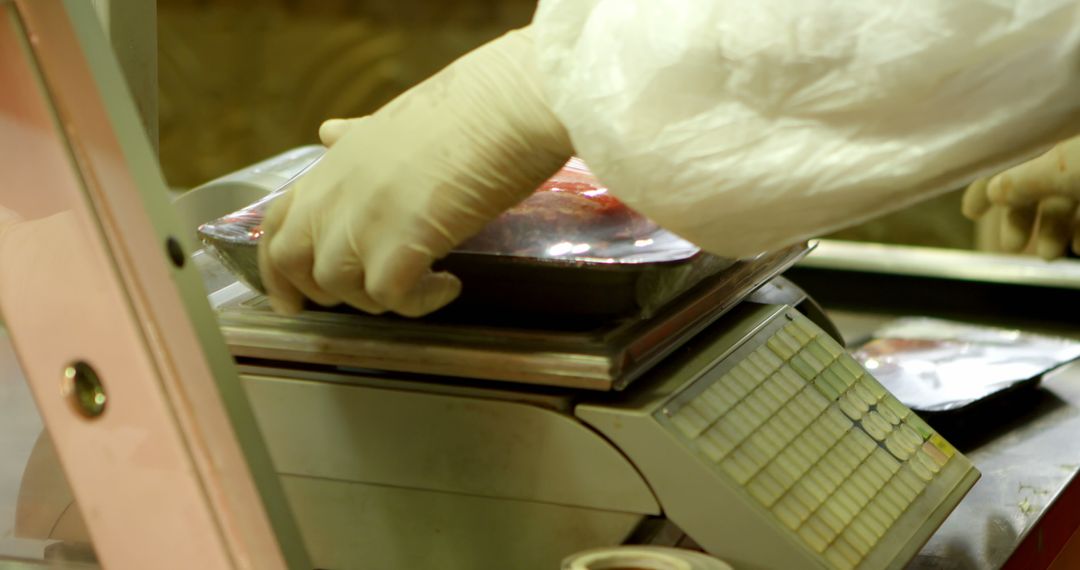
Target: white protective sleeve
[747, 125]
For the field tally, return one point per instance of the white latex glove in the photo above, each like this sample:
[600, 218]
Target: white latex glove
[399, 189]
[1039, 201]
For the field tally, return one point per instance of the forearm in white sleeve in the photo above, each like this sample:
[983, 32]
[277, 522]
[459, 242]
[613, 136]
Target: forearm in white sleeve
[745, 126]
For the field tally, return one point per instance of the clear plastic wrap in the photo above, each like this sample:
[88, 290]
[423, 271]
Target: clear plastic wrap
[571, 220]
[933, 365]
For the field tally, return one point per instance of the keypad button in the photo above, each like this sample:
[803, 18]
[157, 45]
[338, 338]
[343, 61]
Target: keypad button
[835, 523]
[887, 414]
[720, 438]
[704, 409]
[759, 364]
[802, 367]
[813, 538]
[832, 471]
[836, 419]
[767, 445]
[861, 539]
[830, 345]
[757, 456]
[828, 385]
[893, 404]
[773, 434]
[792, 382]
[910, 436]
[765, 489]
[818, 484]
[756, 374]
[741, 422]
[739, 467]
[849, 409]
[888, 510]
[856, 402]
[842, 498]
[822, 528]
[710, 449]
[743, 379]
[770, 358]
[721, 397]
[920, 426]
[850, 365]
[782, 476]
[781, 348]
[871, 384]
[871, 510]
[845, 375]
[711, 402]
[860, 482]
[860, 391]
[794, 462]
[816, 442]
[806, 411]
[862, 442]
[892, 501]
[756, 408]
[894, 445]
[815, 363]
[791, 512]
[839, 558]
[777, 394]
[921, 470]
[842, 509]
[874, 431]
[856, 492]
[866, 521]
[816, 401]
[788, 340]
[935, 454]
[820, 353]
[912, 479]
[808, 494]
[689, 422]
[848, 461]
[875, 475]
[807, 326]
[798, 334]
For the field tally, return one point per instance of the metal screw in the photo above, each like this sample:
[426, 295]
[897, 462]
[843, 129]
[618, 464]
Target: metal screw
[83, 387]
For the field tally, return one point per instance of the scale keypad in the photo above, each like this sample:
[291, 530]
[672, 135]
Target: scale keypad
[815, 439]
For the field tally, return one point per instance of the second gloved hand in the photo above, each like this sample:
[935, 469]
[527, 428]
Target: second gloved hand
[1038, 201]
[399, 189]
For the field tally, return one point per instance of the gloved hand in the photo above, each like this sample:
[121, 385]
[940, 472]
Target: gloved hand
[399, 189]
[1038, 200]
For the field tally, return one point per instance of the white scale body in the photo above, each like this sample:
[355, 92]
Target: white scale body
[760, 439]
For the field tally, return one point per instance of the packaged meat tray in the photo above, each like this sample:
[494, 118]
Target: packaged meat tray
[938, 366]
[571, 247]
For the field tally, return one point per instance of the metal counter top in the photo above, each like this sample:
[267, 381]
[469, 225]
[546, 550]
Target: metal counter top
[1026, 462]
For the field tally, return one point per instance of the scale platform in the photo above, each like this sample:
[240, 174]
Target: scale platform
[593, 353]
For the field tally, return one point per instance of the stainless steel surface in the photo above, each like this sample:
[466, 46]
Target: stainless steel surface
[1025, 466]
[944, 263]
[602, 357]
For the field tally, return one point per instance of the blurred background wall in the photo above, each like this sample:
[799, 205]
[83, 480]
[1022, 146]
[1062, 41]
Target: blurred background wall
[242, 80]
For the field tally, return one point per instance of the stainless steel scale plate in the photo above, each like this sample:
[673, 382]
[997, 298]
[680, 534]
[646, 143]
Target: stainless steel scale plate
[587, 353]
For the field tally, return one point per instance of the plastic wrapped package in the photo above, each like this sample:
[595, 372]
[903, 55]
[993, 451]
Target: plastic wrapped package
[571, 247]
[941, 366]
[743, 126]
